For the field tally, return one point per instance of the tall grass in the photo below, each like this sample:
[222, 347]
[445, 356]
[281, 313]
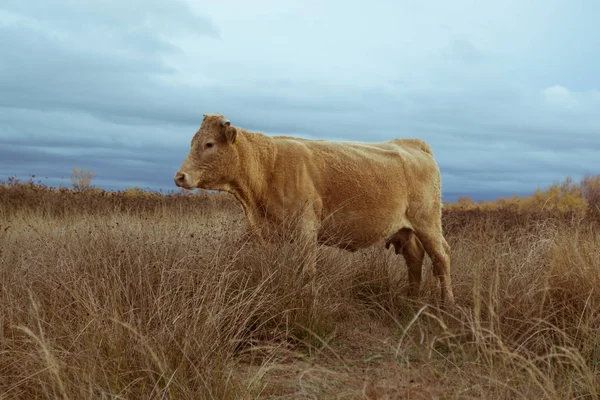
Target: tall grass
[108, 295]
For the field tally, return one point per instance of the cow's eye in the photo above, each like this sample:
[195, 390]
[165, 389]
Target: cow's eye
[209, 145]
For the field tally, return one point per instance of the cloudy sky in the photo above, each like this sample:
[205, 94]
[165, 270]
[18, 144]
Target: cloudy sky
[507, 93]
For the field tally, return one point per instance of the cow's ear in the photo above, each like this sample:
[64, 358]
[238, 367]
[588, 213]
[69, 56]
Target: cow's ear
[231, 134]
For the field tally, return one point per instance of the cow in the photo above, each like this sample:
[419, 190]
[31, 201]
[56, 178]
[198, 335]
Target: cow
[351, 195]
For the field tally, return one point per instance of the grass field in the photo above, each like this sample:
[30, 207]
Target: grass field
[106, 295]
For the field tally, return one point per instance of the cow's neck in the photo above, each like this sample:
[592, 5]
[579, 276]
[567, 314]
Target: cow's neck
[257, 161]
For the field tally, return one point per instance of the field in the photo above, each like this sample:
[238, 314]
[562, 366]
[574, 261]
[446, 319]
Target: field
[131, 296]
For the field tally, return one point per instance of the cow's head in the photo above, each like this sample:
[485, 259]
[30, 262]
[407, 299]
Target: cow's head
[213, 159]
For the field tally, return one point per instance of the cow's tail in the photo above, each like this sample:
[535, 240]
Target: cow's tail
[424, 146]
[418, 143]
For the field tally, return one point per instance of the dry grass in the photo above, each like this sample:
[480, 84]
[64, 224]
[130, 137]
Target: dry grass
[105, 295]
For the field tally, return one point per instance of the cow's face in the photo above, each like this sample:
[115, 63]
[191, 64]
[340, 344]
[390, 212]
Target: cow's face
[213, 158]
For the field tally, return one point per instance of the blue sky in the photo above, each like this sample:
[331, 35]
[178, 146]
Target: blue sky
[506, 93]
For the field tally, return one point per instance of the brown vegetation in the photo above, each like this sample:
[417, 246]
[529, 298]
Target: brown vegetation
[146, 295]
[581, 198]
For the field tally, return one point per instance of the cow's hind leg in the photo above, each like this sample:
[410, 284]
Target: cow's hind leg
[406, 243]
[439, 251]
[414, 253]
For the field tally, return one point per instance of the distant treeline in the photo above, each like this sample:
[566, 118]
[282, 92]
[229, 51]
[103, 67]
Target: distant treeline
[568, 197]
[19, 196]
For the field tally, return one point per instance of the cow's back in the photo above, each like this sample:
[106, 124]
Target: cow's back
[364, 189]
[376, 173]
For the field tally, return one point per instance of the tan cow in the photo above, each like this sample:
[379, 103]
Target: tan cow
[348, 194]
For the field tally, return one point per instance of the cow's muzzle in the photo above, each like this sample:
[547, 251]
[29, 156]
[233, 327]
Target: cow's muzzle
[180, 179]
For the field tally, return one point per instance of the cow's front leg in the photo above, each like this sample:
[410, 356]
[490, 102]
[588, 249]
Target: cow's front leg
[310, 257]
[309, 263]
[309, 231]
[256, 228]
[257, 232]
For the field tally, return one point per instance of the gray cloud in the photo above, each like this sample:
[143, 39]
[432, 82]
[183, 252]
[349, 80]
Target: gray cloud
[120, 89]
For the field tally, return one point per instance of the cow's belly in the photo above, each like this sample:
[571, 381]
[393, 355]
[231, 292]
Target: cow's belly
[356, 230]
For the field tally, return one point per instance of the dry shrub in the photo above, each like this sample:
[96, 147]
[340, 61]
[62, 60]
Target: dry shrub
[581, 199]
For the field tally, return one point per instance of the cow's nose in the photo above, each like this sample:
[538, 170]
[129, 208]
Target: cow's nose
[179, 178]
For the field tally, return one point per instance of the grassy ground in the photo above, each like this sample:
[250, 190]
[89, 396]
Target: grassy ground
[115, 296]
